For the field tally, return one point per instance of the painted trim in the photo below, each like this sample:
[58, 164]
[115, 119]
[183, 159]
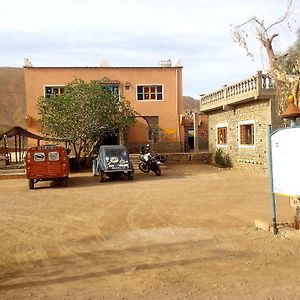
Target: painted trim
[247, 122]
[222, 125]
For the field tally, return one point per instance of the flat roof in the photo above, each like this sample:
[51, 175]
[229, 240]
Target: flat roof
[153, 67]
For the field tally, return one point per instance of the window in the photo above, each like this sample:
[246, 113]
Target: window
[53, 156]
[222, 135]
[149, 92]
[39, 156]
[53, 90]
[222, 132]
[247, 134]
[113, 89]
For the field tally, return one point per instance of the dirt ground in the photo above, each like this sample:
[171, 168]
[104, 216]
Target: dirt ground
[188, 234]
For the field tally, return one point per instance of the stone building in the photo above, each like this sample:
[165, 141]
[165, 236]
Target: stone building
[239, 117]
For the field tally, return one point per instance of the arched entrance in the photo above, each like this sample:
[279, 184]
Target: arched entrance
[144, 131]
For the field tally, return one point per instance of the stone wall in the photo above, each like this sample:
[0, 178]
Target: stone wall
[277, 110]
[200, 158]
[255, 158]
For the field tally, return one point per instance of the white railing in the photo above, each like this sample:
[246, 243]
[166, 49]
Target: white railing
[254, 85]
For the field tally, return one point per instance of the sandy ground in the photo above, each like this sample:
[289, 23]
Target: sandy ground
[188, 234]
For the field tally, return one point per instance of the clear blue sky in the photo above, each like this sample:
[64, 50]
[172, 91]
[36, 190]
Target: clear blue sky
[141, 33]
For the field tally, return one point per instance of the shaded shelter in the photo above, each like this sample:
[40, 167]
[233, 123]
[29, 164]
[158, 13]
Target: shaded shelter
[15, 141]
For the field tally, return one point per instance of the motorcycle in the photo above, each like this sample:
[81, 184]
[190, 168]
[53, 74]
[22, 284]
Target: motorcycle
[149, 162]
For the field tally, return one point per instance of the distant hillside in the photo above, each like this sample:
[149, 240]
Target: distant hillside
[12, 98]
[189, 103]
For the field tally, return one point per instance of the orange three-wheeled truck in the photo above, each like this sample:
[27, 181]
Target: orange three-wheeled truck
[48, 162]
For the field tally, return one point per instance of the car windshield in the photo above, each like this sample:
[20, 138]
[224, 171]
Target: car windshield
[116, 152]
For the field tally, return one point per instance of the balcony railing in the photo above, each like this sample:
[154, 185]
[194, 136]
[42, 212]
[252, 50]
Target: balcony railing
[256, 87]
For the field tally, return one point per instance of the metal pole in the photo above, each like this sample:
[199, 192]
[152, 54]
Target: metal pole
[293, 122]
[296, 215]
[275, 230]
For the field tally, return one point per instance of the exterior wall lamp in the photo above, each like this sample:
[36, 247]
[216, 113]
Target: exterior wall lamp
[127, 86]
[28, 120]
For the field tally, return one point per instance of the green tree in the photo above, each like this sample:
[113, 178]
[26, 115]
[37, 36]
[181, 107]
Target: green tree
[290, 61]
[83, 115]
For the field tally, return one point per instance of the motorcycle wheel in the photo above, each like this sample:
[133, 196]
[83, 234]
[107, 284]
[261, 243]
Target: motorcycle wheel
[157, 170]
[144, 168]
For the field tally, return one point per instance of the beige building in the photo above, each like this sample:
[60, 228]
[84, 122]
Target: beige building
[154, 92]
[239, 116]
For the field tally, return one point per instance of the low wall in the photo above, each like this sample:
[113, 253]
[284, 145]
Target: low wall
[200, 158]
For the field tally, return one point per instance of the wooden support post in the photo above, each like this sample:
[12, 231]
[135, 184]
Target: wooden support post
[16, 149]
[20, 148]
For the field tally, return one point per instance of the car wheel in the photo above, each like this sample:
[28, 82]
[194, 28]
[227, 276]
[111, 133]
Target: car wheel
[102, 176]
[94, 167]
[130, 175]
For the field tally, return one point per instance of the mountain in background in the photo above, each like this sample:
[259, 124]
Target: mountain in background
[12, 98]
[189, 103]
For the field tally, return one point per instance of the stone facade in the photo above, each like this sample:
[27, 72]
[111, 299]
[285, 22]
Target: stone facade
[245, 157]
[253, 103]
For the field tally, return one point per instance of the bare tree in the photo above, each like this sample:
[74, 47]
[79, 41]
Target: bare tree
[266, 35]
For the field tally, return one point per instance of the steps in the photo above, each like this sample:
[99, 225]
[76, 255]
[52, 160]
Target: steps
[13, 171]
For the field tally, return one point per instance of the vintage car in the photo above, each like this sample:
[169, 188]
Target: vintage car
[112, 160]
[48, 162]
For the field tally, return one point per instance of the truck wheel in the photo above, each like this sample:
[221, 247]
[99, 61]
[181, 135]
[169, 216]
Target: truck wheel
[65, 181]
[31, 184]
[102, 176]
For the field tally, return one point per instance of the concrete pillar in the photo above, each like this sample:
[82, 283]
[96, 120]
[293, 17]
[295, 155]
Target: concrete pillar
[196, 131]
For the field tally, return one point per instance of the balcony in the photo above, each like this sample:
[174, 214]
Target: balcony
[257, 87]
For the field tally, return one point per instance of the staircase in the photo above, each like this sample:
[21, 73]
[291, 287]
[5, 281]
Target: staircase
[12, 171]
